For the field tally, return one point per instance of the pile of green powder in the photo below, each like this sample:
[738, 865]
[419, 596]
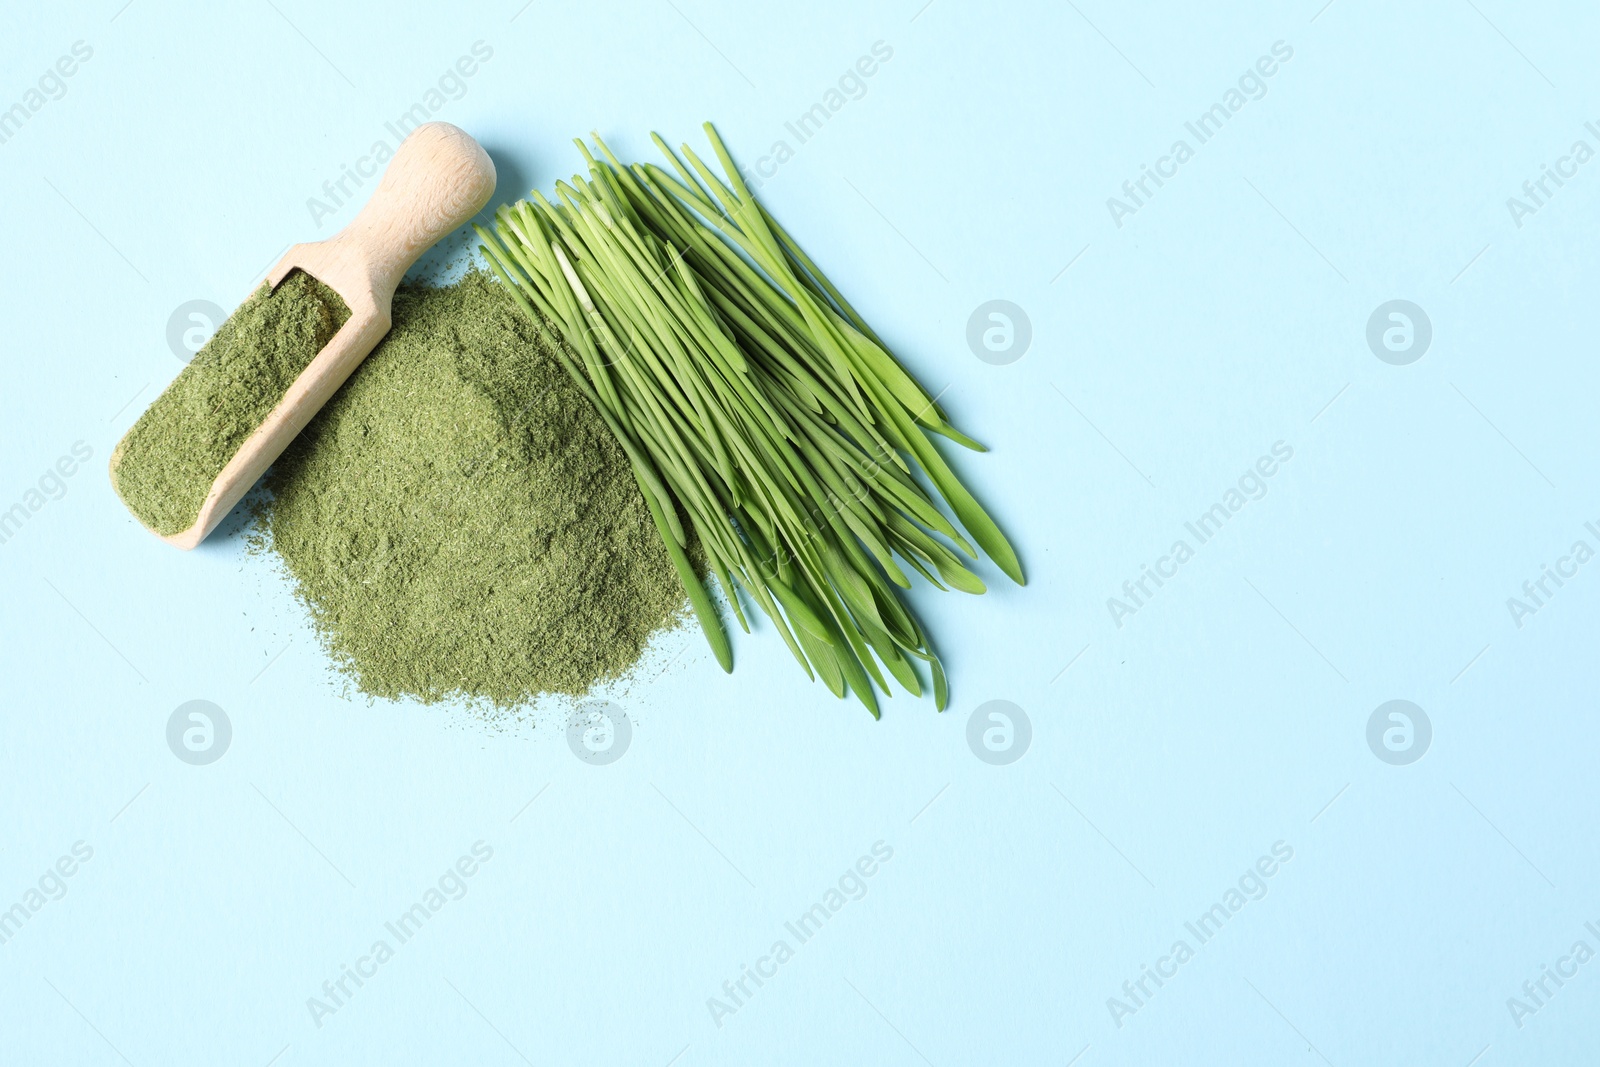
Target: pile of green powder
[459, 520]
[166, 464]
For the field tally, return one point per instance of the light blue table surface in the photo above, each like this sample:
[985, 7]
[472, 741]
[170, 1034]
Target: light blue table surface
[1430, 879]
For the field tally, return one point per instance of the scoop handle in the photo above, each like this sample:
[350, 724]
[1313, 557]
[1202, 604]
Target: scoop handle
[438, 179]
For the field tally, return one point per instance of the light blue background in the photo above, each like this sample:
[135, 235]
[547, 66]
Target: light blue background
[1230, 713]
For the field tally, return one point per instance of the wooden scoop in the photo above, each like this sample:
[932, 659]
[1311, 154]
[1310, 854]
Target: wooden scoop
[438, 179]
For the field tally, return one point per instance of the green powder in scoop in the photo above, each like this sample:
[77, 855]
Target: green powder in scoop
[167, 463]
[461, 523]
